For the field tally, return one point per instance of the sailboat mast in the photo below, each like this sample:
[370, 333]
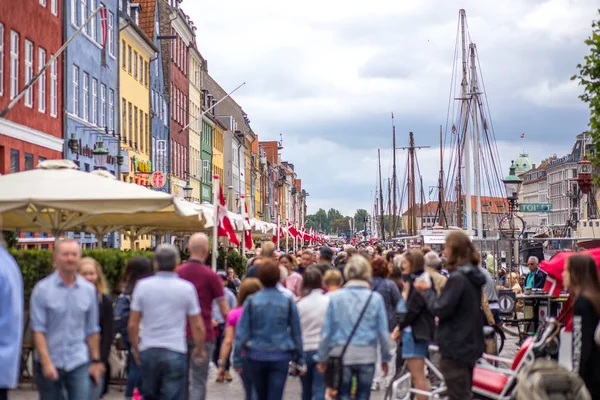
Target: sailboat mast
[413, 201]
[422, 204]
[441, 210]
[394, 178]
[465, 125]
[381, 196]
[476, 162]
[389, 206]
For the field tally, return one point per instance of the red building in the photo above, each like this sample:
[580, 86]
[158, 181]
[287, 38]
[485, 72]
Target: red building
[30, 33]
[32, 130]
[175, 24]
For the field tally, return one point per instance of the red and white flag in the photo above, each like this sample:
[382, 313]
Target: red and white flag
[279, 235]
[103, 26]
[247, 233]
[225, 228]
[292, 230]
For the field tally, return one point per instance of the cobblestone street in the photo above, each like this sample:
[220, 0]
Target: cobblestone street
[234, 390]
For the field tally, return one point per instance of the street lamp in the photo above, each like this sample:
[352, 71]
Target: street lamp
[187, 191]
[73, 144]
[100, 155]
[512, 184]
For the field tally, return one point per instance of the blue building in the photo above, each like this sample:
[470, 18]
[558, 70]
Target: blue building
[159, 103]
[91, 90]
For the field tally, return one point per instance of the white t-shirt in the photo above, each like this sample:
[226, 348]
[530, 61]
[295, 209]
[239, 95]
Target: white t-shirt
[312, 309]
[165, 301]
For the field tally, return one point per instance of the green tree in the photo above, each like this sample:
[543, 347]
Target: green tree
[318, 221]
[360, 218]
[589, 78]
[11, 239]
[341, 226]
[333, 215]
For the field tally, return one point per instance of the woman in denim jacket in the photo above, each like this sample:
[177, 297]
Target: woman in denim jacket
[344, 309]
[268, 334]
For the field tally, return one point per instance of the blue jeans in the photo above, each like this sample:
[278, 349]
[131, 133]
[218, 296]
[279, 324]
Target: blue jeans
[72, 385]
[268, 378]
[313, 384]
[364, 378]
[134, 377]
[164, 374]
[97, 389]
[246, 376]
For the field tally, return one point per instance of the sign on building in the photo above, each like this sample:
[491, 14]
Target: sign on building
[535, 207]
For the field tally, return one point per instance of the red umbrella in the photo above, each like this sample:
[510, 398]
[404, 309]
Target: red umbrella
[556, 265]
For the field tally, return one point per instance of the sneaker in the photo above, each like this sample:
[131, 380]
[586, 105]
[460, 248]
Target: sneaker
[228, 376]
[375, 387]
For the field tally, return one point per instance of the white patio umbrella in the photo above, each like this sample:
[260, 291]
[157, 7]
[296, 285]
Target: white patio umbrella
[57, 197]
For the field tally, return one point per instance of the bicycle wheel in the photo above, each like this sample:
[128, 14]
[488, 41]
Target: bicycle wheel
[500, 337]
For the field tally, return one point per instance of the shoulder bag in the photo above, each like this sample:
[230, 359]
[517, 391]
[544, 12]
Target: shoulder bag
[334, 371]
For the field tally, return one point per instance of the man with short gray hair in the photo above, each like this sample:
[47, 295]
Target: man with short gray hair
[165, 302]
[536, 278]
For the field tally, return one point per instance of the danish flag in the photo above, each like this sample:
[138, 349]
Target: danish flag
[225, 228]
[247, 233]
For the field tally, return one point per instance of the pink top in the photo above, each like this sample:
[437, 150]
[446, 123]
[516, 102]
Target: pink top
[234, 316]
[294, 283]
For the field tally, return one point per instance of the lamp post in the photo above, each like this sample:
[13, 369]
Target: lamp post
[100, 155]
[512, 184]
[187, 191]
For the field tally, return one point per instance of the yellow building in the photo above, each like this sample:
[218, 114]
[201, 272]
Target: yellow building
[195, 149]
[218, 148]
[136, 51]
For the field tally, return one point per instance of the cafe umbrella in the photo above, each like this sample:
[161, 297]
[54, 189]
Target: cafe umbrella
[57, 197]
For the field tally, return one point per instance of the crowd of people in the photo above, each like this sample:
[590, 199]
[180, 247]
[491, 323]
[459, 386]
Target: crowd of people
[342, 319]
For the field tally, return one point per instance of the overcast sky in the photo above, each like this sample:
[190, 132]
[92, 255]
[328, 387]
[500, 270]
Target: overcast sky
[328, 73]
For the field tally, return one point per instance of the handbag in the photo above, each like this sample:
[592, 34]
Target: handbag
[334, 371]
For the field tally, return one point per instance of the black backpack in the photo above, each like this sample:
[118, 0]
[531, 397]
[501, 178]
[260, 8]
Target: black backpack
[121, 309]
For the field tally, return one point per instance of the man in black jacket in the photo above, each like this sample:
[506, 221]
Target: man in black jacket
[458, 308]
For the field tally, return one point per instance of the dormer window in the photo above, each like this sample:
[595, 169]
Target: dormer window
[134, 12]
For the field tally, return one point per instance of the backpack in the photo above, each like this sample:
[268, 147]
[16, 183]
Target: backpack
[547, 380]
[121, 308]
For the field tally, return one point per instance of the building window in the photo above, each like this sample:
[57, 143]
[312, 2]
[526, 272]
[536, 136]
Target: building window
[124, 119]
[123, 54]
[74, 12]
[42, 80]
[86, 93]
[28, 72]
[129, 59]
[43, 3]
[111, 33]
[146, 119]
[76, 90]
[53, 88]
[14, 160]
[14, 64]
[111, 109]
[102, 105]
[164, 110]
[41, 159]
[135, 63]
[130, 121]
[1, 59]
[28, 162]
[135, 136]
[94, 101]
[83, 15]
[92, 24]
[141, 69]
[54, 7]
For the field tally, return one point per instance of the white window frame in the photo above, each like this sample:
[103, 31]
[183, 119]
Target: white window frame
[141, 61]
[83, 15]
[86, 98]
[94, 119]
[166, 123]
[103, 105]
[76, 90]
[1, 59]
[41, 81]
[43, 3]
[54, 7]
[28, 98]
[111, 109]
[92, 24]
[74, 9]
[111, 33]
[135, 63]
[54, 88]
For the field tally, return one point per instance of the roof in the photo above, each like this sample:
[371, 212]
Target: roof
[147, 17]
[495, 204]
[523, 163]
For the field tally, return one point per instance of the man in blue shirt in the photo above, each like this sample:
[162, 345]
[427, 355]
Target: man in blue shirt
[64, 321]
[11, 321]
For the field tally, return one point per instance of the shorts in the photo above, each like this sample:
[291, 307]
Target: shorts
[414, 348]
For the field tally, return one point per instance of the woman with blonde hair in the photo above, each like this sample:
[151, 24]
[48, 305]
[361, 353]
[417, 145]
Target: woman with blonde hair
[91, 270]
